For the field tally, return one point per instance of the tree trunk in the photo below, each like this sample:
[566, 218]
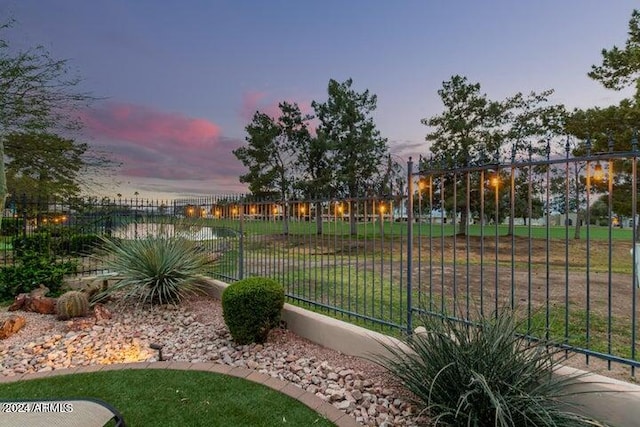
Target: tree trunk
[352, 220]
[577, 201]
[285, 218]
[464, 223]
[453, 221]
[578, 223]
[318, 218]
[511, 230]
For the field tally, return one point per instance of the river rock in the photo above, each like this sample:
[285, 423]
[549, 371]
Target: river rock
[11, 325]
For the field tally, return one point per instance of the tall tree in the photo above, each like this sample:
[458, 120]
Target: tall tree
[43, 165]
[599, 211]
[525, 206]
[532, 121]
[461, 132]
[568, 183]
[620, 68]
[470, 126]
[37, 94]
[357, 151]
[609, 128]
[317, 180]
[476, 130]
[394, 187]
[599, 125]
[272, 153]
[531, 124]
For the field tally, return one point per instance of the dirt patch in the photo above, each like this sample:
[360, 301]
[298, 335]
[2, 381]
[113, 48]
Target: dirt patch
[578, 292]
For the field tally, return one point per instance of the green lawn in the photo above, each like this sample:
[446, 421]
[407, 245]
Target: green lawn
[365, 292]
[371, 229]
[158, 397]
[604, 338]
[227, 265]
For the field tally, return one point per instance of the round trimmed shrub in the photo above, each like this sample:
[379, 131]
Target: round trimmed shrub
[251, 308]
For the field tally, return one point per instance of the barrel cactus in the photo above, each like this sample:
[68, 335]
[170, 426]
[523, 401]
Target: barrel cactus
[72, 304]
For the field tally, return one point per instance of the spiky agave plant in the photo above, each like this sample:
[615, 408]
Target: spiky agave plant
[155, 270]
[484, 375]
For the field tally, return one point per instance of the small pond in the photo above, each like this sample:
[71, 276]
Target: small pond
[191, 232]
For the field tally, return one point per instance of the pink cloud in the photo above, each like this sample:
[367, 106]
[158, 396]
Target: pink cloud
[146, 126]
[251, 103]
[254, 101]
[156, 144]
[182, 164]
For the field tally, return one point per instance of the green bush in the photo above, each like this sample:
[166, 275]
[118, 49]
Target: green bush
[56, 243]
[32, 270]
[483, 375]
[78, 244]
[11, 226]
[35, 264]
[38, 244]
[251, 308]
[156, 270]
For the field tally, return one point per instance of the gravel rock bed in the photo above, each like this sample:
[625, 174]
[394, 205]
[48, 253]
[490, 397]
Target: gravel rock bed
[195, 332]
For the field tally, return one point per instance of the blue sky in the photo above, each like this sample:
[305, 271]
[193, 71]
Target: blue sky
[180, 80]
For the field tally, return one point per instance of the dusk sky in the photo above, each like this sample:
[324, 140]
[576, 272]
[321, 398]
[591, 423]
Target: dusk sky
[181, 80]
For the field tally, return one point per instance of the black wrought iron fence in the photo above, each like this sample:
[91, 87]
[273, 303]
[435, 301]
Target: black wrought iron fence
[552, 238]
[555, 239]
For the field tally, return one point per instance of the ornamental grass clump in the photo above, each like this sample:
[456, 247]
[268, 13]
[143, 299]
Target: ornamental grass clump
[484, 374]
[251, 308]
[155, 270]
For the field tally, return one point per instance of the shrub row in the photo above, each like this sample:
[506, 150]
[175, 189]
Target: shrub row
[46, 244]
[11, 226]
[31, 271]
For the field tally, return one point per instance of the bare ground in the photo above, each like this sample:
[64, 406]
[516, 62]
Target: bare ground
[564, 278]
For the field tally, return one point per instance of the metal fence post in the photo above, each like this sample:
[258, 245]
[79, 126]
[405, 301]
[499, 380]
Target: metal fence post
[241, 244]
[23, 211]
[409, 244]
